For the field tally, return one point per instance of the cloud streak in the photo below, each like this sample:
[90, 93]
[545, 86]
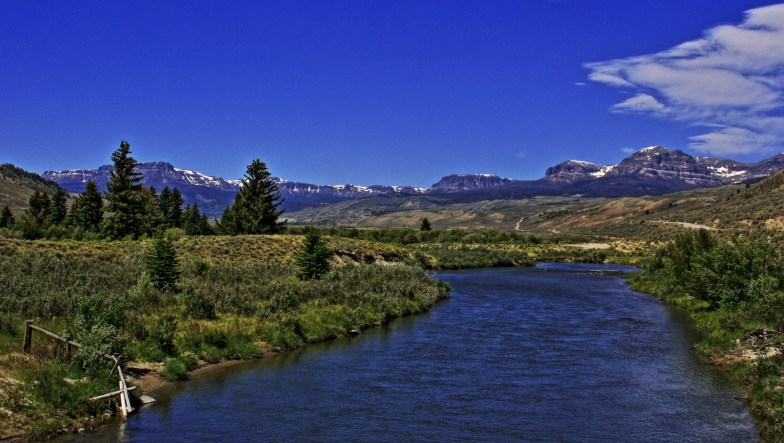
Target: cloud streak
[730, 81]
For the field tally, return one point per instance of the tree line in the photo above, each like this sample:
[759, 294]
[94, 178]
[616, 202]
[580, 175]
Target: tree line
[131, 210]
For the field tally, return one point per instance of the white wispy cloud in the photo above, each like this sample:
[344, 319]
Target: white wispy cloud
[730, 81]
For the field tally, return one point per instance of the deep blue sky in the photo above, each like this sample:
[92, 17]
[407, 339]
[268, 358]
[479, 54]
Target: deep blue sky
[363, 92]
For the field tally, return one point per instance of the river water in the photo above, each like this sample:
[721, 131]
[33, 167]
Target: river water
[552, 353]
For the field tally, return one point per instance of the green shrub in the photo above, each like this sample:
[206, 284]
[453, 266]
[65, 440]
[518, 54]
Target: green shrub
[242, 348]
[175, 369]
[163, 334]
[97, 340]
[211, 354]
[197, 304]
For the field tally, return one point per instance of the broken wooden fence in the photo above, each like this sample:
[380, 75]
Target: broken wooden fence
[125, 399]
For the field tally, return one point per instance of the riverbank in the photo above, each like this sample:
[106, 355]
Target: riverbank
[733, 293]
[490, 363]
[237, 298]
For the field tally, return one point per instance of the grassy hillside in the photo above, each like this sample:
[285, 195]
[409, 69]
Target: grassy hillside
[732, 207]
[17, 185]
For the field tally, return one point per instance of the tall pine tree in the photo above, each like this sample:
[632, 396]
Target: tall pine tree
[162, 264]
[313, 260]
[90, 208]
[153, 218]
[57, 207]
[174, 216]
[126, 202]
[255, 207]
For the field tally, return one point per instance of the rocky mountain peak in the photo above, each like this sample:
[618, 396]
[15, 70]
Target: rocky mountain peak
[468, 182]
[661, 163]
[572, 171]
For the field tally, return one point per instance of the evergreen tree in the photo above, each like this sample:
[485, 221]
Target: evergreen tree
[39, 207]
[174, 215]
[90, 208]
[204, 225]
[170, 202]
[124, 194]
[6, 218]
[425, 226]
[255, 207]
[162, 264]
[73, 218]
[189, 219]
[313, 260]
[57, 207]
[152, 219]
[164, 199]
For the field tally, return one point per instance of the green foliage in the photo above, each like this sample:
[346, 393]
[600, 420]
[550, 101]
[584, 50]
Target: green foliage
[6, 218]
[194, 222]
[152, 216]
[313, 260]
[226, 309]
[175, 369]
[48, 386]
[44, 429]
[425, 226]
[96, 340]
[255, 207]
[162, 264]
[90, 208]
[399, 235]
[729, 274]
[37, 282]
[731, 287]
[473, 256]
[39, 208]
[170, 203]
[57, 207]
[163, 334]
[126, 202]
[198, 304]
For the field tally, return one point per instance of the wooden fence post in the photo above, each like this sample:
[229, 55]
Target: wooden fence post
[28, 340]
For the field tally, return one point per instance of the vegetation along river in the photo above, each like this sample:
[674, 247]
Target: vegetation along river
[551, 353]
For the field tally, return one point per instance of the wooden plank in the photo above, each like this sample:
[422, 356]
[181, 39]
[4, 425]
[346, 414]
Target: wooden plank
[28, 340]
[123, 411]
[125, 389]
[111, 394]
[54, 336]
[57, 337]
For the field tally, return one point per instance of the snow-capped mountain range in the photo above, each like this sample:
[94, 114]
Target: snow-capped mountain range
[653, 170]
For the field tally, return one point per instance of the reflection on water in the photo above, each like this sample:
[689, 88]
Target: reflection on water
[552, 353]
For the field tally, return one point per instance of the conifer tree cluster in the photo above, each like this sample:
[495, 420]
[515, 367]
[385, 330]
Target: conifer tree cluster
[194, 222]
[170, 202]
[255, 207]
[134, 209]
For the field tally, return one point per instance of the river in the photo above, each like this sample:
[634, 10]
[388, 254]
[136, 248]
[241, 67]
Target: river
[552, 353]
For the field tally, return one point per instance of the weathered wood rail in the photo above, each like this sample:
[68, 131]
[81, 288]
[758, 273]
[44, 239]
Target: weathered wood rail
[125, 399]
